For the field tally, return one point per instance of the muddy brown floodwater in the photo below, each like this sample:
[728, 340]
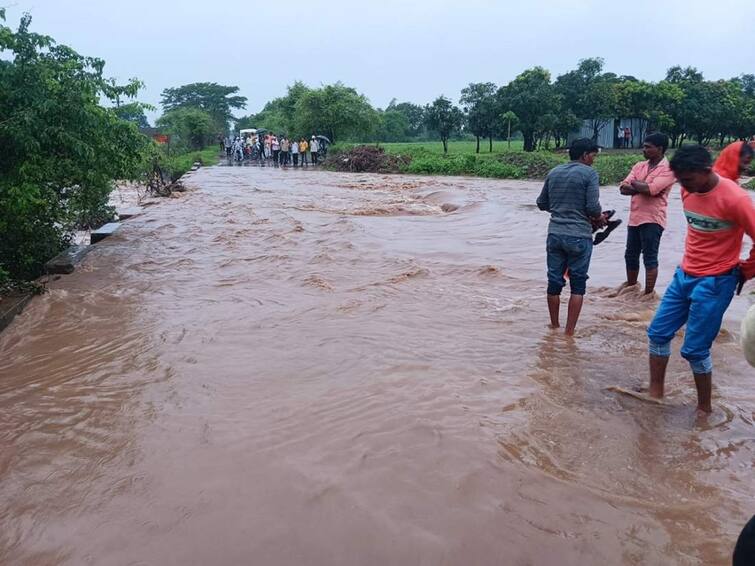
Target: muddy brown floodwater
[287, 367]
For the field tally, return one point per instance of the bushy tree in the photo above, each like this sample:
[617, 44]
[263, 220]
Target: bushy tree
[218, 101]
[61, 150]
[444, 118]
[414, 114]
[480, 105]
[189, 128]
[133, 112]
[589, 93]
[392, 126]
[530, 96]
[337, 111]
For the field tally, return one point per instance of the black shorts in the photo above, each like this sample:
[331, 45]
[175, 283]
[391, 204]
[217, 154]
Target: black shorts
[644, 239]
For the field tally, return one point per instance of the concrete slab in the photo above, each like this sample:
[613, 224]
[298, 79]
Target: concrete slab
[65, 261]
[104, 231]
[130, 212]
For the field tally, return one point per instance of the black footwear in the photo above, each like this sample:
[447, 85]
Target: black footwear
[600, 236]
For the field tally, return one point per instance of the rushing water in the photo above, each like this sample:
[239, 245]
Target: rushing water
[289, 367]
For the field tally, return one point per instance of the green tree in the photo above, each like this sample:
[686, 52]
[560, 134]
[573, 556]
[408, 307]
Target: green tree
[337, 111]
[133, 112]
[444, 118]
[217, 100]
[530, 96]
[392, 126]
[414, 114]
[61, 149]
[512, 122]
[589, 93]
[480, 106]
[189, 128]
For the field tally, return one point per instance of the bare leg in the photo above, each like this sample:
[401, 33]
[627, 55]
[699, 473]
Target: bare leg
[651, 275]
[657, 375]
[631, 277]
[703, 382]
[554, 304]
[575, 307]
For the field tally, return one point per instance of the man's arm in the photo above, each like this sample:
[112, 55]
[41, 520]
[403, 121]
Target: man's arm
[659, 183]
[744, 214]
[625, 187]
[543, 201]
[592, 195]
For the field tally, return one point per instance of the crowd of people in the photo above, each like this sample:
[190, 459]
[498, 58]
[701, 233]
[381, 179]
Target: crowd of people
[718, 212]
[268, 148]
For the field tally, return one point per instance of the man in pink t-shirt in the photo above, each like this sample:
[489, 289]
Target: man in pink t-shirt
[649, 184]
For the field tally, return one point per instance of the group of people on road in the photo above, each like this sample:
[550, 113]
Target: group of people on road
[718, 212]
[624, 137]
[275, 150]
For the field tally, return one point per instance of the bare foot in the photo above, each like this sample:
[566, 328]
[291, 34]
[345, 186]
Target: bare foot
[703, 412]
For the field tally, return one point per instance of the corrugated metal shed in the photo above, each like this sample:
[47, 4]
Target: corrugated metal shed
[608, 136]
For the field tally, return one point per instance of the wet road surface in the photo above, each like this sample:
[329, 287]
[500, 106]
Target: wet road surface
[289, 367]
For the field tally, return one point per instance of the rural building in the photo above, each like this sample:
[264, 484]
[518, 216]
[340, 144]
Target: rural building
[608, 134]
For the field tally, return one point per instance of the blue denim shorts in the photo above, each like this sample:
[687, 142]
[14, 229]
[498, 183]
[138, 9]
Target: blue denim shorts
[698, 302]
[572, 253]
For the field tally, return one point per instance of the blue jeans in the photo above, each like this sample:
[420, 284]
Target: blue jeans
[700, 302]
[572, 253]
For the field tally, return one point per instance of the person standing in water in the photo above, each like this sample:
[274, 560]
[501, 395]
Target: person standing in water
[570, 194]
[649, 184]
[719, 212]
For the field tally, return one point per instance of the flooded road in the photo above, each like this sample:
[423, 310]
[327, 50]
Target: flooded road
[286, 367]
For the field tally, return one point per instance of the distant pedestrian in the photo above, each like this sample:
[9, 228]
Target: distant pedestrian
[627, 138]
[314, 148]
[619, 137]
[285, 148]
[303, 147]
[295, 153]
[276, 150]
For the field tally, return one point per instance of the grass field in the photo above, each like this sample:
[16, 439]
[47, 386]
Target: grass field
[428, 158]
[454, 147]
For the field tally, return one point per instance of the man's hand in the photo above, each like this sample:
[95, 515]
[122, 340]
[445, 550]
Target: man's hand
[627, 189]
[598, 222]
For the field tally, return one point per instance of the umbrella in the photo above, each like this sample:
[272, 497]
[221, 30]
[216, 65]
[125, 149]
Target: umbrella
[323, 138]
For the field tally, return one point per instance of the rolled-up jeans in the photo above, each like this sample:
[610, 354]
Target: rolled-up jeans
[572, 253]
[698, 302]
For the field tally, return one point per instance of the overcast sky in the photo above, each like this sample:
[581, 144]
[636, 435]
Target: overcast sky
[410, 50]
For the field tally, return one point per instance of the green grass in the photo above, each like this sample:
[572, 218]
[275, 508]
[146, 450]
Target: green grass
[427, 158]
[177, 165]
[454, 147]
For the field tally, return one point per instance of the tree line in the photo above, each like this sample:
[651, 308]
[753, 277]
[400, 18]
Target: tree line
[541, 110]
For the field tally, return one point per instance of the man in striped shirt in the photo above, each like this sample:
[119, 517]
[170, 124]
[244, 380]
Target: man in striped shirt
[570, 194]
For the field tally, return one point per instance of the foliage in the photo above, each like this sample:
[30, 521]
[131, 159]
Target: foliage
[443, 117]
[589, 93]
[481, 109]
[336, 111]
[216, 100]
[189, 128]
[365, 158]
[414, 114]
[531, 97]
[750, 185]
[61, 149]
[392, 126]
[133, 112]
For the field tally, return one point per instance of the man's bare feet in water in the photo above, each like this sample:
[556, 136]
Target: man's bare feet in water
[624, 288]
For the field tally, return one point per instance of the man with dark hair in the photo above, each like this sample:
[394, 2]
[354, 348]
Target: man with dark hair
[744, 551]
[719, 212]
[649, 184]
[570, 194]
